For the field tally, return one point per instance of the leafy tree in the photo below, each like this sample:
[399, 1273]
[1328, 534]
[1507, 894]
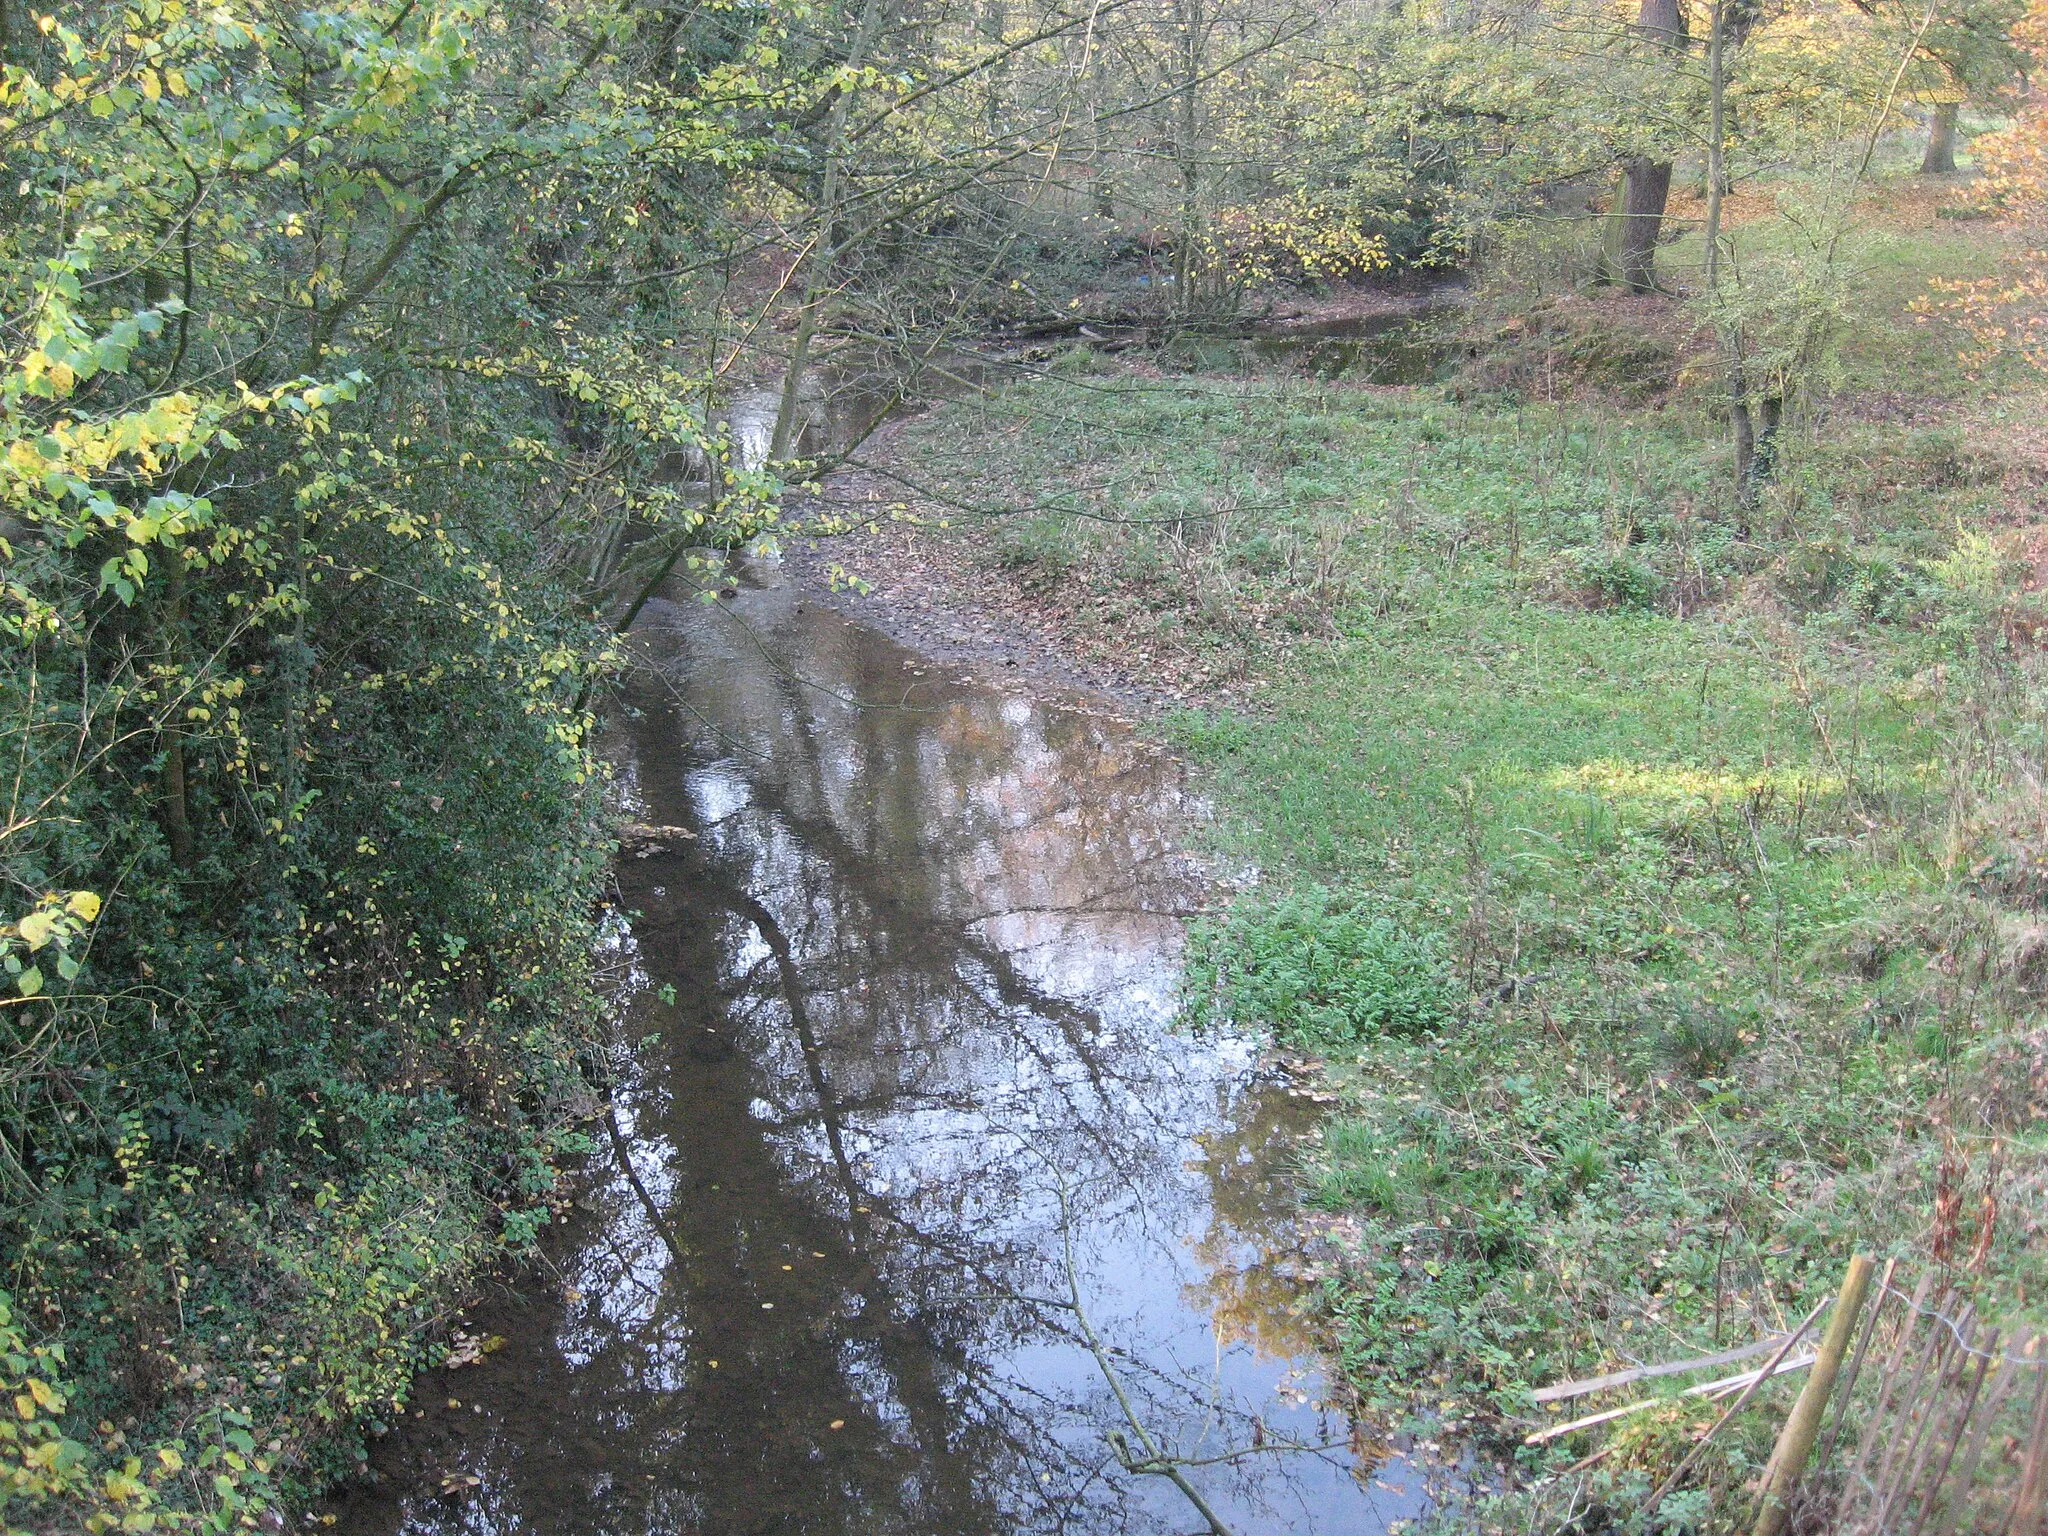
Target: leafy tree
[1966, 53]
[327, 405]
[2006, 316]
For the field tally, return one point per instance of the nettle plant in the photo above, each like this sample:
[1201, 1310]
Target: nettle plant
[1321, 973]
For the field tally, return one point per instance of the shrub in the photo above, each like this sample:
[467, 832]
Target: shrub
[1700, 1039]
[1562, 346]
[1610, 578]
[1042, 546]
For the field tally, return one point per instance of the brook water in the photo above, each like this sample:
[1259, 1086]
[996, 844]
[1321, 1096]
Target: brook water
[915, 1215]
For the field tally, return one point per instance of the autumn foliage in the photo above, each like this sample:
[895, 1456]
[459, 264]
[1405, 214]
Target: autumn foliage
[2007, 315]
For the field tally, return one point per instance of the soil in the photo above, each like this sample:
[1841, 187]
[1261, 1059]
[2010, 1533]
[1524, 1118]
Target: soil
[934, 590]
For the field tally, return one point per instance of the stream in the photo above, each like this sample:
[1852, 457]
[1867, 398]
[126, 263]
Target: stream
[917, 1214]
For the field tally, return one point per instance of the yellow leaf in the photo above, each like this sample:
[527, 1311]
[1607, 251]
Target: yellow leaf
[36, 928]
[84, 904]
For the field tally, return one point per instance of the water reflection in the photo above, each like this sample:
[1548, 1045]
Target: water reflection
[913, 1093]
[1402, 347]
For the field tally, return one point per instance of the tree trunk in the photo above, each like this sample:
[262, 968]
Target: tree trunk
[1607, 268]
[1745, 438]
[789, 409]
[1645, 189]
[1187, 255]
[177, 808]
[1755, 431]
[177, 816]
[826, 247]
[1940, 159]
[994, 26]
[1104, 189]
[1756, 419]
[1662, 21]
[1629, 247]
[1763, 457]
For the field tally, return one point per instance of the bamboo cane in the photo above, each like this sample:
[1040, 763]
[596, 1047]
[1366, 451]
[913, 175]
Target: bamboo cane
[1795, 1441]
[1986, 1415]
[1909, 1410]
[2026, 1505]
[1888, 1381]
[1955, 1358]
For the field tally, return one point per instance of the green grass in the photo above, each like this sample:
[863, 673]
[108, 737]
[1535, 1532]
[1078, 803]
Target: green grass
[1650, 873]
[1646, 870]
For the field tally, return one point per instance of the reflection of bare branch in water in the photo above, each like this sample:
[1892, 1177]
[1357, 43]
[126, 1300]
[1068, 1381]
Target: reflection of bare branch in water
[831, 887]
[624, 1157]
[1157, 1461]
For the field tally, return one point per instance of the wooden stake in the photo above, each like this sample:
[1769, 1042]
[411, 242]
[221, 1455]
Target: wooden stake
[1856, 1360]
[1986, 1415]
[1795, 1440]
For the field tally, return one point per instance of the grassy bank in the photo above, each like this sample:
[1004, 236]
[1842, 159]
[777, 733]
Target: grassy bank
[1658, 879]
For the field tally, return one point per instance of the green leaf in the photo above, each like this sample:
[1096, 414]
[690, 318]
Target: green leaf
[30, 981]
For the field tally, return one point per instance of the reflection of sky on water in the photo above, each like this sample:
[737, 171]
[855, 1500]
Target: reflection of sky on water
[924, 959]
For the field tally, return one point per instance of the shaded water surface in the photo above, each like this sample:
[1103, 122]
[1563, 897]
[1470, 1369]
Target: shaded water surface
[915, 1092]
[1402, 347]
